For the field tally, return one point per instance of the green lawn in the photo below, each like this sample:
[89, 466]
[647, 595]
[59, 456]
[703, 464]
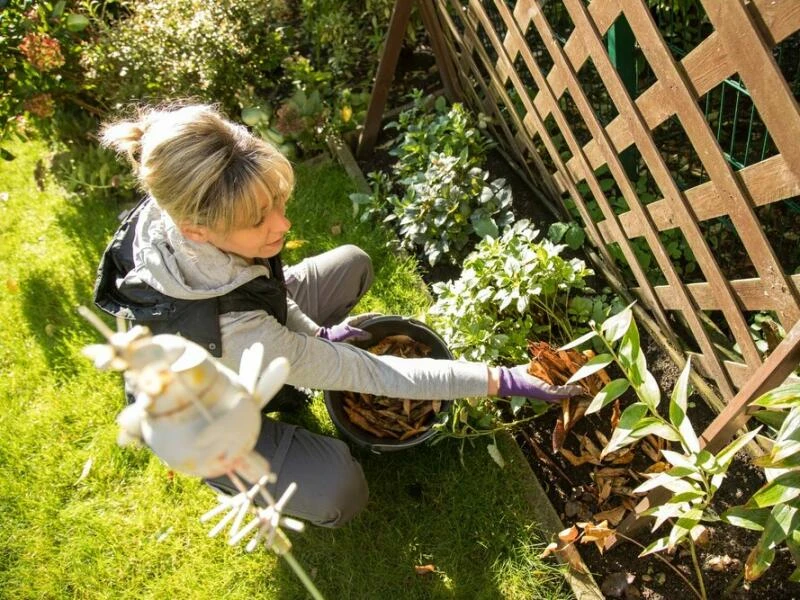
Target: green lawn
[83, 518]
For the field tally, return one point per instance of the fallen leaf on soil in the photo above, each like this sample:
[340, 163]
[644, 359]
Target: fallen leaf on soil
[577, 461]
[568, 535]
[621, 457]
[589, 446]
[613, 515]
[601, 438]
[611, 472]
[652, 450]
[601, 534]
[424, 569]
[657, 467]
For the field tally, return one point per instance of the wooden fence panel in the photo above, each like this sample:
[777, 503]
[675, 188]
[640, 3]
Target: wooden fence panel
[516, 67]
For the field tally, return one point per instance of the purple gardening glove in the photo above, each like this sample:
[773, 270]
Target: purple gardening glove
[516, 381]
[347, 330]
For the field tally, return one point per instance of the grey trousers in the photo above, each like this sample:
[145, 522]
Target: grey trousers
[331, 488]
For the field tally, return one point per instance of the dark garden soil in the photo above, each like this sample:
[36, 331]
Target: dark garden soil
[573, 490]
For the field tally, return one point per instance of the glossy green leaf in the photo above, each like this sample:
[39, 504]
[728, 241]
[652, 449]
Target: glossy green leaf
[615, 327]
[668, 481]
[612, 390]
[747, 518]
[627, 422]
[654, 426]
[579, 341]
[659, 545]
[781, 522]
[725, 455]
[677, 459]
[783, 488]
[595, 364]
[648, 391]
[786, 396]
[772, 418]
[679, 401]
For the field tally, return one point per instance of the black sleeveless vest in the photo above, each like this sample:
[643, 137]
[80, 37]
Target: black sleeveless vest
[197, 320]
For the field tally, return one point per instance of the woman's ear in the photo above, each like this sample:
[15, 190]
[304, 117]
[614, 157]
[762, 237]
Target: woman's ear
[196, 233]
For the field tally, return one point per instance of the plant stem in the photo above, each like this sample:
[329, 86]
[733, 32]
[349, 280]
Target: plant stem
[733, 584]
[302, 576]
[483, 432]
[670, 565]
[698, 571]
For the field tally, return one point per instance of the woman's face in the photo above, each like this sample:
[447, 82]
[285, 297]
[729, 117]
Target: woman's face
[262, 240]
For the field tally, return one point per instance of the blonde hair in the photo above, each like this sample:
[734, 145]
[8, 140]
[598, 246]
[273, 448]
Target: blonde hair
[201, 168]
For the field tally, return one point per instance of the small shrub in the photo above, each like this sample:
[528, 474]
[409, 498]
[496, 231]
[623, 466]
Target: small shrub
[40, 48]
[430, 127]
[167, 49]
[447, 207]
[512, 289]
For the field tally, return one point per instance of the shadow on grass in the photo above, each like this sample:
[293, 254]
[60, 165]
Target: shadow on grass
[49, 312]
[429, 505]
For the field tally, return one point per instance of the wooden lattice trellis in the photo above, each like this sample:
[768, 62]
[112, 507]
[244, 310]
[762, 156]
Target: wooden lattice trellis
[504, 58]
[490, 42]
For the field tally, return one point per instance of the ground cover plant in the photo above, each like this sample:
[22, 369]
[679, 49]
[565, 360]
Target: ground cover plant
[85, 518]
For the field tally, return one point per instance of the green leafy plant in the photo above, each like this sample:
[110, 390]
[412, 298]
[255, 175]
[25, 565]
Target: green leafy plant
[430, 127]
[168, 49]
[40, 50]
[694, 474]
[774, 509]
[512, 288]
[448, 206]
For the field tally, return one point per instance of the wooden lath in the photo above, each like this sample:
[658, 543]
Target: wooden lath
[489, 43]
[468, 26]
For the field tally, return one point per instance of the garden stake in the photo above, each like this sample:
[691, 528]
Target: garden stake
[203, 419]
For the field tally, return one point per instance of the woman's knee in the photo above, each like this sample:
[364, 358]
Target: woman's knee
[345, 498]
[360, 262]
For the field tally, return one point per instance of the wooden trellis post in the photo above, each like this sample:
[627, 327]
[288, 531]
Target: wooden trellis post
[401, 14]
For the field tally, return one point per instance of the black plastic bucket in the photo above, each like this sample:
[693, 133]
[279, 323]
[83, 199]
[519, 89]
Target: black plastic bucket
[381, 327]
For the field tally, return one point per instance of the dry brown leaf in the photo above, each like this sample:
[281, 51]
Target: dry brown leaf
[424, 569]
[551, 547]
[602, 535]
[612, 515]
[558, 435]
[577, 461]
[605, 491]
[658, 467]
[611, 472]
[652, 452]
[615, 414]
[568, 535]
[601, 438]
[589, 447]
[622, 457]
[630, 503]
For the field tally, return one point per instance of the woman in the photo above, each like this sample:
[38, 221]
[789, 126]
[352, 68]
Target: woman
[200, 256]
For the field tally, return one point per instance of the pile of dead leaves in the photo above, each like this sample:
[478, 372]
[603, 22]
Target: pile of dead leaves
[608, 498]
[556, 367]
[394, 418]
